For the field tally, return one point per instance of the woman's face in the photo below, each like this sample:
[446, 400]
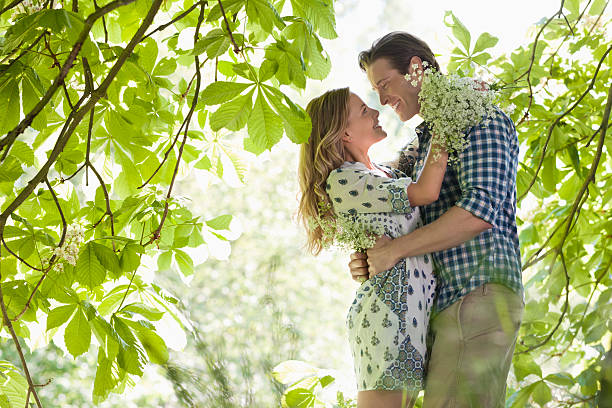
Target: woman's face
[363, 129]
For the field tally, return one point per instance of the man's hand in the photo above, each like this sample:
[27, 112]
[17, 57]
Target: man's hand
[359, 266]
[380, 256]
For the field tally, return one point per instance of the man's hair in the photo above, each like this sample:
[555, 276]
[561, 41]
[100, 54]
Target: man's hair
[398, 48]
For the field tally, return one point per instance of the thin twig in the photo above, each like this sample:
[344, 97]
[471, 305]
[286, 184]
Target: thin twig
[25, 51]
[229, 31]
[57, 64]
[174, 20]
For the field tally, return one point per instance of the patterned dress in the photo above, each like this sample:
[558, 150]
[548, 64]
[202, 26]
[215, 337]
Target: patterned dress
[388, 320]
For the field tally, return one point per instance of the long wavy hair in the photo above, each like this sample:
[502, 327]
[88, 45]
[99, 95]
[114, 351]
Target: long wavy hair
[322, 153]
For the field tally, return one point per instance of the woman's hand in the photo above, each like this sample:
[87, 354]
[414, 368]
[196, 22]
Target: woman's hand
[381, 256]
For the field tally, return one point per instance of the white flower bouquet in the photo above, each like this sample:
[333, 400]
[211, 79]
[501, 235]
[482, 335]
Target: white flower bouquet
[451, 105]
[344, 231]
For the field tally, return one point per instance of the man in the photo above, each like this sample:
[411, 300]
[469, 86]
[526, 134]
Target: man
[471, 231]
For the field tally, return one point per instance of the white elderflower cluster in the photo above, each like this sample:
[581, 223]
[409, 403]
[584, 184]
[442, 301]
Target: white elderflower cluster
[451, 105]
[70, 249]
[344, 231]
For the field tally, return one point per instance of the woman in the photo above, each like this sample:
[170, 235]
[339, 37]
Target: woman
[388, 319]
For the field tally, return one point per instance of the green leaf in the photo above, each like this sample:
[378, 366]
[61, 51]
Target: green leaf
[154, 346]
[59, 316]
[460, 32]
[563, 379]
[221, 222]
[524, 365]
[519, 399]
[14, 386]
[219, 92]
[184, 261]
[130, 257]
[541, 393]
[296, 122]
[325, 381]
[89, 271]
[165, 67]
[10, 169]
[107, 258]
[78, 334]
[484, 41]
[214, 44]
[144, 310]
[267, 70]
[23, 152]
[264, 126]
[597, 7]
[233, 115]
[299, 398]
[105, 379]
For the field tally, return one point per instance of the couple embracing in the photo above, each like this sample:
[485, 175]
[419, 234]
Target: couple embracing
[441, 298]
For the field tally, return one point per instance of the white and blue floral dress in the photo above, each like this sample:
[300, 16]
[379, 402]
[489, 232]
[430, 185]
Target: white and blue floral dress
[389, 318]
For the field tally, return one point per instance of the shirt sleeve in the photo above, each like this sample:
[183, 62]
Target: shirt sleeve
[487, 168]
[353, 191]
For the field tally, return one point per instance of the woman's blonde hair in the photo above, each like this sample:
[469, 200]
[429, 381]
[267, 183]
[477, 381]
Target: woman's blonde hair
[322, 153]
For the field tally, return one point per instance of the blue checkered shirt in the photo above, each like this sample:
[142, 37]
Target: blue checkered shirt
[483, 183]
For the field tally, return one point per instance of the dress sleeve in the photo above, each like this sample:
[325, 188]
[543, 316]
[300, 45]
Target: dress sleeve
[354, 191]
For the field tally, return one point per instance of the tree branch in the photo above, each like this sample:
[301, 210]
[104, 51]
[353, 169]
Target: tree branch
[194, 102]
[11, 330]
[575, 208]
[46, 270]
[10, 6]
[7, 141]
[558, 119]
[76, 116]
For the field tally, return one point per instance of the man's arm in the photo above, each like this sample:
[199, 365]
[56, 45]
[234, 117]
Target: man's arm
[485, 177]
[453, 228]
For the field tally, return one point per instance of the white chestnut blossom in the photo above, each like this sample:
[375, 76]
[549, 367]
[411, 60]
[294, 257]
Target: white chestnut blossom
[70, 249]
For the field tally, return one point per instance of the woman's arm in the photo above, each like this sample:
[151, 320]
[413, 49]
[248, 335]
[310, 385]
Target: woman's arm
[427, 189]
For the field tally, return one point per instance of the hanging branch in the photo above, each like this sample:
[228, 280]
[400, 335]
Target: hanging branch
[7, 322]
[76, 116]
[10, 6]
[576, 208]
[178, 134]
[558, 119]
[51, 263]
[157, 233]
[7, 141]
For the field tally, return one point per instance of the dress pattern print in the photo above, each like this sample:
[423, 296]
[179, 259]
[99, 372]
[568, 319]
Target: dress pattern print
[388, 320]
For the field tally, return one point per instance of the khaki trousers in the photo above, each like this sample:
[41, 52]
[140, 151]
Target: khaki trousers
[472, 350]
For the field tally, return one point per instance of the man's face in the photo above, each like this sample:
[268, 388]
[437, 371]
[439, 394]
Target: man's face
[393, 89]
